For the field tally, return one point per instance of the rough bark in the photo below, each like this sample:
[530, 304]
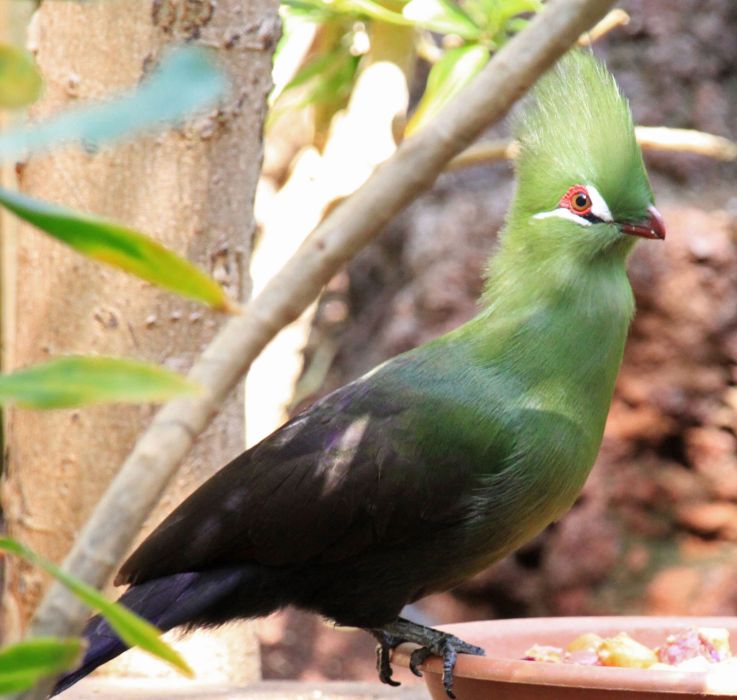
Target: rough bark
[192, 188]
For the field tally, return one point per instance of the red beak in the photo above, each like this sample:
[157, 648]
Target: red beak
[652, 227]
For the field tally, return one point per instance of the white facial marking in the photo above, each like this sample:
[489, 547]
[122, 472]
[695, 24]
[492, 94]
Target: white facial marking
[563, 213]
[599, 209]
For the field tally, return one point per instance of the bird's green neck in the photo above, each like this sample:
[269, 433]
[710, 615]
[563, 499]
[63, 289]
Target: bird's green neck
[559, 324]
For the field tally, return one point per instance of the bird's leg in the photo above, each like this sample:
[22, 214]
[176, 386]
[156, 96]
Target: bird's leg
[431, 641]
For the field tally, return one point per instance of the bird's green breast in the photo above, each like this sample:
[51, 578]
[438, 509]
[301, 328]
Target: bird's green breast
[543, 374]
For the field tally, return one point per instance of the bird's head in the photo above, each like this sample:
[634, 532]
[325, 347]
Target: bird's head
[582, 187]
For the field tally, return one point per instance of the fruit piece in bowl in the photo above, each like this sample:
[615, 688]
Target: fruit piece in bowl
[695, 649]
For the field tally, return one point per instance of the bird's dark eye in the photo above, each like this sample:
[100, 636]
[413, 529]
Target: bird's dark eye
[581, 201]
[577, 200]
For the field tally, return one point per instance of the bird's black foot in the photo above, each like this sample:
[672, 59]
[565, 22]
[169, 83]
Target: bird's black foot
[387, 643]
[431, 641]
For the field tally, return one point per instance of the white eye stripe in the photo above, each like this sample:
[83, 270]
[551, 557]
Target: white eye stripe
[563, 213]
[599, 209]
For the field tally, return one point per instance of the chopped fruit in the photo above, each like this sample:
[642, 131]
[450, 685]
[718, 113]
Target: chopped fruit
[709, 643]
[688, 650]
[586, 642]
[624, 651]
[540, 652]
[583, 658]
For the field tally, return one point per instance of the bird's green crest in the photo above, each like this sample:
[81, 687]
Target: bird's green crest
[578, 128]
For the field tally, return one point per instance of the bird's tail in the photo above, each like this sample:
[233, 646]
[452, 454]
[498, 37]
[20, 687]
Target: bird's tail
[165, 602]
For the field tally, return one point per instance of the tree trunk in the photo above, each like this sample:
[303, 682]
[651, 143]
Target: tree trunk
[192, 188]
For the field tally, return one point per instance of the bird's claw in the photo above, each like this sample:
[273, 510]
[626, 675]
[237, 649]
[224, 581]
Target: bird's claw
[462, 647]
[447, 647]
[432, 643]
[417, 658]
[387, 643]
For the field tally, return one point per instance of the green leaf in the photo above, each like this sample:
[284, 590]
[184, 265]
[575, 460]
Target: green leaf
[315, 66]
[510, 8]
[20, 81]
[370, 9]
[334, 84]
[326, 80]
[448, 76]
[495, 16]
[119, 246]
[318, 10]
[77, 381]
[436, 15]
[185, 82]
[23, 664]
[516, 25]
[133, 630]
[441, 16]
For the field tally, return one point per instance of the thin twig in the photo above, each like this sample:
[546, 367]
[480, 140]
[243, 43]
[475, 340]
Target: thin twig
[662, 138]
[352, 224]
[613, 19]
[484, 152]
[651, 138]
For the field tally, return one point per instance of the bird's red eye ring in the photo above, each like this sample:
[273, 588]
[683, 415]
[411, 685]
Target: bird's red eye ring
[577, 200]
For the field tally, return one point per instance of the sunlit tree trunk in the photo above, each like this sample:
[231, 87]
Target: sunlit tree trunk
[192, 188]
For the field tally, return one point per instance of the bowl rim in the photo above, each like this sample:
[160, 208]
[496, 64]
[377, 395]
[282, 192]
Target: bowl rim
[509, 670]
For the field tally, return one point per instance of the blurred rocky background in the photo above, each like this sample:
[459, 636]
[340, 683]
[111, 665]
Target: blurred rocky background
[655, 530]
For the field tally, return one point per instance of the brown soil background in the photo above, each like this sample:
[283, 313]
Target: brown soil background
[655, 530]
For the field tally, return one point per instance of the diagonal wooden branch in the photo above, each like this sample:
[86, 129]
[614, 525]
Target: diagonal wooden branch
[351, 225]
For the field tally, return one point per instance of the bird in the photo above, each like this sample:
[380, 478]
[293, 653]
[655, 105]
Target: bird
[446, 458]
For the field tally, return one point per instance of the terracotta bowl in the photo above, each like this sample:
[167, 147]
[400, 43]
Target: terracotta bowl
[502, 675]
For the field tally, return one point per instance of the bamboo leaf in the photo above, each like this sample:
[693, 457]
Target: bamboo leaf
[20, 81]
[77, 381]
[119, 246]
[23, 664]
[133, 630]
[185, 82]
[448, 76]
[441, 16]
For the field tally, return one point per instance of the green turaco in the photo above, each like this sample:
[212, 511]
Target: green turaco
[446, 458]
